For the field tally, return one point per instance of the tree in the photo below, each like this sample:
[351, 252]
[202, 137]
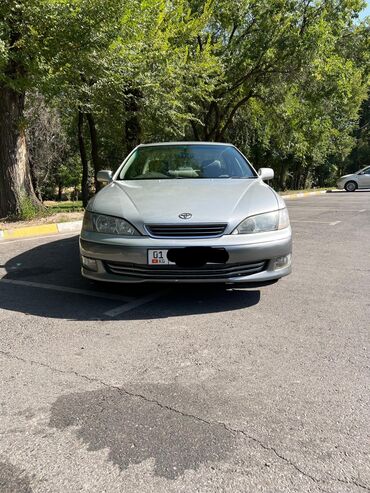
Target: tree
[17, 52]
[283, 80]
[32, 45]
[135, 74]
[47, 142]
[291, 86]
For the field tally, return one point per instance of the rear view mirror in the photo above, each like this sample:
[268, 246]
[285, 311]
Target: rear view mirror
[104, 176]
[266, 173]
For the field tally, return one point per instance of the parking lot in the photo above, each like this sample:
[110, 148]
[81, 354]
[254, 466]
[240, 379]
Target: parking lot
[190, 388]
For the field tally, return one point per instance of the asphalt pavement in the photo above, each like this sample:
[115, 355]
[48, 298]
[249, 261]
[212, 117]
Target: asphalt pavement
[190, 388]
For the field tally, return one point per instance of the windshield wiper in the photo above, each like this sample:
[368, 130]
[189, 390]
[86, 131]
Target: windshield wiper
[243, 177]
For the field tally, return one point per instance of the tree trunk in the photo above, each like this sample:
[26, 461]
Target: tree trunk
[15, 178]
[285, 166]
[34, 179]
[297, 177]
[305, 174]
[212, 121]
[95, 158]
[60, 191]
[195, 130]
[85, 166]
[132, 125]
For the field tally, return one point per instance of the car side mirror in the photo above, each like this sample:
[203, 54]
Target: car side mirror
[104, 176]
[266, 173]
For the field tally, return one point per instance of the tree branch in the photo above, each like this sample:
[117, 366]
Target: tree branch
[233, 113]
[235, 27]
[195, 130]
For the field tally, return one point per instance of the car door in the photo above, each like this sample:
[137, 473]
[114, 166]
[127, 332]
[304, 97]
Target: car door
[364, 178]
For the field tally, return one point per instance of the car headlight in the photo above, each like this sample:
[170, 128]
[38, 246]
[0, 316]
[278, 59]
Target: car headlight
[100, 223]
[270, 221]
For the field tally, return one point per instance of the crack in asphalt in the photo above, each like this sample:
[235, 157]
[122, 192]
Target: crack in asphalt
[234, 431]
[355, 483]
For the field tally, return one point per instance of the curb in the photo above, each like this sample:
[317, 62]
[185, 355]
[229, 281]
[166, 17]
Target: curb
[303, 194]
[43, 229]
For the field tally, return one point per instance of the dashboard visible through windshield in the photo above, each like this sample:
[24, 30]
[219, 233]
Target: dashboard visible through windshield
[186, 161]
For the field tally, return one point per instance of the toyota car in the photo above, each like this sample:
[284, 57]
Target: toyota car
[186, 212]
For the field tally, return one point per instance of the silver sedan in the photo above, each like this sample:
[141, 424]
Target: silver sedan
[360, 179]
[186, 212]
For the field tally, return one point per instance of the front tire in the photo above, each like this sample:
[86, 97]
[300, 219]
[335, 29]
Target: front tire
[350, 186]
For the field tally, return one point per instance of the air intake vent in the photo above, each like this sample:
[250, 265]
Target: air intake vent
[172, 272]
[185, 231]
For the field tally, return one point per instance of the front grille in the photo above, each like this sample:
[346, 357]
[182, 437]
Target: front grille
[186, 230]
[209, 271]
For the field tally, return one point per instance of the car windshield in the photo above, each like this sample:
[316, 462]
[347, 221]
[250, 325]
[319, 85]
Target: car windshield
[186, 161]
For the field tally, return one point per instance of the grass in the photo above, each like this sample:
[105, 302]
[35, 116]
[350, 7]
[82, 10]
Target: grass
[46, 213]
[28, 209]
[66, 206]
[59, 217]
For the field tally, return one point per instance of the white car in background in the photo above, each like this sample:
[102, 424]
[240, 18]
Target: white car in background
[360, 179]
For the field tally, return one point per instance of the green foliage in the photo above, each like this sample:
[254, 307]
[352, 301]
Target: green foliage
[289, 77]
[29, 210]
[360, 154]
[69, 174]
[284, 80]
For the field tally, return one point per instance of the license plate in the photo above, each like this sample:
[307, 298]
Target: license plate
[158, 257]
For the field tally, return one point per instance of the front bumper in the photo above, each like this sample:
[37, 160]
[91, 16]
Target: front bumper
[124, 260]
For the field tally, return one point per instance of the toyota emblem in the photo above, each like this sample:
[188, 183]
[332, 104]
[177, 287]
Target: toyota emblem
[185, 215]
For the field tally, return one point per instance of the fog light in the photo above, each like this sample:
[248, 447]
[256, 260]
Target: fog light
[282, 262]
[89, 263]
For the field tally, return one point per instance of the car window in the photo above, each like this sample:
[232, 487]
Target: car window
[186, 161]
[366, 171]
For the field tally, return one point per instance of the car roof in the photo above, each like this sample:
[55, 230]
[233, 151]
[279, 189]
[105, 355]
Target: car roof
[185, 143]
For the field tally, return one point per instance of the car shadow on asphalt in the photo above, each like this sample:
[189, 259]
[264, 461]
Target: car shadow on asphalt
[56, 264]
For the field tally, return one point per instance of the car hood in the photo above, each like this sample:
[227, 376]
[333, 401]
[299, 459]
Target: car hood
[351, 175]
[208, 200]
